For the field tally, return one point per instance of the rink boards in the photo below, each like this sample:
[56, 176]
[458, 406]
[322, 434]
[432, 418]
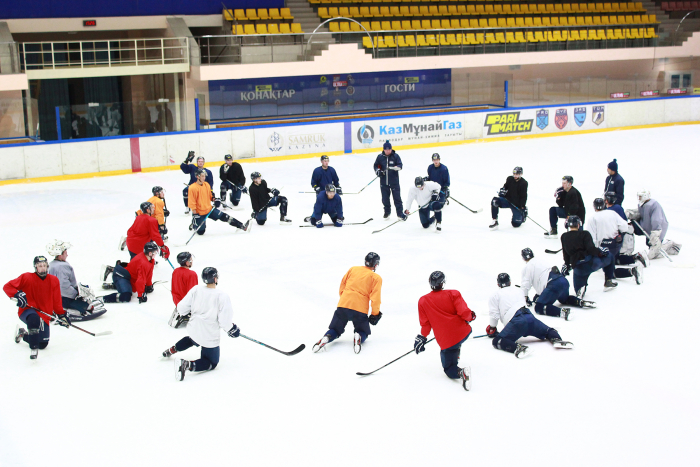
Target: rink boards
[125, 154]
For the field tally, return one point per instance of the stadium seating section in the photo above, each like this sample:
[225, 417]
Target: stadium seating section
[262, 21]
[680, 6]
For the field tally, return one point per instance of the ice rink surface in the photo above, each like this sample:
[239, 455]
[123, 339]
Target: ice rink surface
[627, 394]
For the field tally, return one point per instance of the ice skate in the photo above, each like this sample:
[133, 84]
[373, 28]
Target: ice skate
[581, 292]
[187, 211]
[168, 352]
[285, 221]
[321, 344]
[34, 354]
[609, 285]
[586, 304]
[560, 344]
[642, 257]
[106, 271]
[552, 234]
[386, 215]
[438, 227]
[494, 226]
[566, 314]
[19, 334]
[357, 343]
[181, 366]
[246, 226]
[638, 273]
[122, 243]
[307, 219]
[108, 286]
[522, 351]
[466, 375]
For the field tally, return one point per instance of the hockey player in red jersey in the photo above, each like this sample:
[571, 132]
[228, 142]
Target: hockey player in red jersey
[445, 313]
[134, 276]
[34, 292]
[144, 230]
[184, 278]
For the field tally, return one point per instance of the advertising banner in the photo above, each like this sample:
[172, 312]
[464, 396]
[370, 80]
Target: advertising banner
[544, 120]
[301, 139]
[410, 130]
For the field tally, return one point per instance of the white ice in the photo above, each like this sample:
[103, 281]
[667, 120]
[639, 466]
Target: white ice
[627, 395]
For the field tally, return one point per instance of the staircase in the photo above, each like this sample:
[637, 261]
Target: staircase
[668, 36]
[309, 20]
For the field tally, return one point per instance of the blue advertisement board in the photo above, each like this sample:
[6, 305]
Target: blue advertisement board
[308, 95]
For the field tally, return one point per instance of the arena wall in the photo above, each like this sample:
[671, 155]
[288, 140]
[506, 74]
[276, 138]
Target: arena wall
[34, 162]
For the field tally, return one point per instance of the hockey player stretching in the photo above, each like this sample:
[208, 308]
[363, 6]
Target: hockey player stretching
[210, 310]
[445, 313]
[359, 286]
[184, 278]
[200, 199]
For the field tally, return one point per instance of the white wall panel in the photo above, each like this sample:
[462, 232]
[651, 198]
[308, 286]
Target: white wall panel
[12, 163]
[79, 158]
[42, 160]
[114, 154]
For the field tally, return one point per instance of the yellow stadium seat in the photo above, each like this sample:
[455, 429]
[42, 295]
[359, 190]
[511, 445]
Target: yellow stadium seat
[415, 24]
[480, 10]
[425, 24]
[464, 23]
[344, 26]
[619, 33]
[275, 13]
[621, 20]
[510, 38]
[579, 20]
[296, 28]
[443, 40]
[610, 34]
[530, 23]
[532, 9]
[401, 41]
[431, 39]
[366, 25]
[404, 11]
[334, 26]
[285, 13]
[442, 10]
[406, 25]
[444, 24]
[344, 12]
[592, 7]
[493, 23]
[488, 9]
[421, 41]
[497, 9]
[389, 41]
[285, 29]
[539, 35]
[385, 25]
[571, 21]
[374, 11]
[479, 38]
[510, 22]
[415, 10]
[251, 14]
[237, 29]
[452, 10]
[607, 7]
[652, 19]
[551, 38]
[376, 26]
[605, 20]
[473, 23]
[411, 41]
[541, 9]
[644, 18]
[249, 29]
[354, 27]
[601, 34]
[454, 23]
[636, 19]
[650, 33]
[424, 11]
[462, 10]
[469, 39]
[516, 9]
[366, 42]
[596, 20]
[333, 12]
[519, 22]
[614, 7]
[629, 19]
[576, 7]
[583, 35]
[531, 37]
[239, 15]
[354, 12]
[273, 29]
[380, 43]
[384, 11]
[435, 24]
[573, 36]
[394, 11]
[483, 23]
[566, 8]
[507, 10]
[588, 21]
[631, 6]
[500, 38]
[228, 15]
[364, 12]
[612, 19]
[433, 9]
[489, 38]
[262, 14]
[558, 8]
[501, 22]
[519, 37]
[541, 21]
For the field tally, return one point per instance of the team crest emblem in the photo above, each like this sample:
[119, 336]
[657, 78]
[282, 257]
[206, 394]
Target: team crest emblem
[580, 115]
[275, 142]
[561, 118]
[598, 114]
[542, 119]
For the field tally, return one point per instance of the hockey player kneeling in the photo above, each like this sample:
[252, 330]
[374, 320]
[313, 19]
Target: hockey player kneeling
[445, 313]
[359, 286]
[429, 198]
[210, 309]
[183, 279]
[508, 306]
[134, 276]
[200, 199]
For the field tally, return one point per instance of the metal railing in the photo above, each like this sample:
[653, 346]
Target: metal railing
[104, 53]
[9, 58]
[242, 48]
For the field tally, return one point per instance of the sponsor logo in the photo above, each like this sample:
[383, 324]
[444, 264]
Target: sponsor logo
[649, 93]
[337, 103]
[275, 142]
[598, 114]
[263, 88]
[542, 119]
[411, 79]
[561, 118]
[580, 115]
[275, 95]
[399, 87]
[365, 134]
[350, 90]
[340, 84]
[506, 123]
[619, 95]
[677, 91]
[695, 91]
[323, 79]
[307, 141]
[410, 128]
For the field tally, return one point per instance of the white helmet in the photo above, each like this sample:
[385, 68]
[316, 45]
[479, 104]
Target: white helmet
[57, 247]
[643, 196]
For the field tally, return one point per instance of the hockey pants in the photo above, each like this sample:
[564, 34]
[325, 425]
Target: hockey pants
[395, 192]
[122, 281]
[340, 319]
[235, 192]
[280, 201]
[39, 333]
[523, 324]
[556, 213]
[624, 260]
[501, 202]
[76, 303]
[209, 357]
[184, 195]
[200, 224]
[436, 207]
[557, 290]
[450, 358]
[588, 266]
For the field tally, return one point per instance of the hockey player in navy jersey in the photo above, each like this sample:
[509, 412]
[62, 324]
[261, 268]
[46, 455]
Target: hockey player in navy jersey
[615, 183]
[191, 169]
[513, 195]
[327, 202]
[387, 167]
[508, 306]
[325, 175]
[438, 173]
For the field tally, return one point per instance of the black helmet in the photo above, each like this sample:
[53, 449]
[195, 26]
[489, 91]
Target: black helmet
[503, 280]
[324, 158]
[38, 260]
[150, 247]
[437, 280]
[527, 254]
[199, 172]
[157, 189]
[436, 157]
[568, 178]
[184, 257]
[255, 175]
[330, 188]
[599, 204]
[573, 221]
[518, 170]
[209, 275]
[228, 157]
[419, 182]
[145, 206]
[372, 260]
[611, 197]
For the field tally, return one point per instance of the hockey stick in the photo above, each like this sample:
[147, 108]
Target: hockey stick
[293, 352]
[478, 210]
[200, 225]
[405, 218]
[649, 238]
[171, 264]
[349, 223]
[528, 217]
[553, 252]
[94, 334]
[402, 356]
[351, 193]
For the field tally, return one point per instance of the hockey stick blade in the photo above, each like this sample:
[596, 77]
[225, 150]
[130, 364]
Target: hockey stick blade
[552, 252]
[402, 356]
[349, 223]
[103, 333]
[293, 352]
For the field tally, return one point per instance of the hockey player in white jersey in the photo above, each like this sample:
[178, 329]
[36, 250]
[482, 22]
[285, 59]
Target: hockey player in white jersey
[429, 198]
[606, 228]
[550, 286]
[508, 305]
[210, 310]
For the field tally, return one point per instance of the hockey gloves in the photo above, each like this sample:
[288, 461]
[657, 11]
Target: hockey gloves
[274, 192]
[243, 188]
[217, 202]
[604, 251]
[528, 302]
[502, 192]
[319, 224]
[148, 289]
[491, 331]
[655, 239]
[317, 189]
[565, 270]
[339, 190]
[190, 157]
[380, 172]
[143, 298]
[63, 320]
[234, 331]
[21, 299]
[165, 252]
[166, 213]
[374, 319]
[419, 343]
[446, 190]
[338, 222]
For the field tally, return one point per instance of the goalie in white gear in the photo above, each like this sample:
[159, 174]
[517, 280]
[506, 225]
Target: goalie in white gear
[74, 296]
[652, 219]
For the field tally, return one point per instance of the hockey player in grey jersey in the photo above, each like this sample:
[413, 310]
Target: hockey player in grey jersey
[652, 219]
